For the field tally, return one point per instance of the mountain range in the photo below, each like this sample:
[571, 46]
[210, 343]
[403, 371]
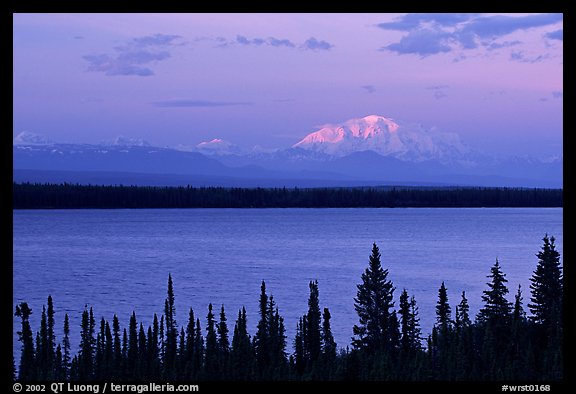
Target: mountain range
[373, 150]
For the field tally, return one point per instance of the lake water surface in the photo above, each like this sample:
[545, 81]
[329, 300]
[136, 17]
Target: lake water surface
[118, 260]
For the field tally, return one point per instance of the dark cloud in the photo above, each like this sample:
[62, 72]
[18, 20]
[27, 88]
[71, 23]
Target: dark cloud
[499, 25]
[272, 41]
[314, 45]
[275, 42]
[558, 94]
[120, 65]
[423, 42]
[505, 44]
[430, 34]
[78, 37]
[185, 103]
[142, 57]
[519, 56]
[242, 40]
[369, 88]
[155, 40]
[245, 41]
[133, 58]
[412, 21]
[556, 35]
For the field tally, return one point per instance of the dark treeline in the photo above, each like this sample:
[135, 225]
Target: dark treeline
[500, 343]
[63, 196]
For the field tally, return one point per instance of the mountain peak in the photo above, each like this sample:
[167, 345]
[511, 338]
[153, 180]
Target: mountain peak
[373, 119]
[126, 141]
[29, 138]
[214, 142]
[383, 135]
[218, 147]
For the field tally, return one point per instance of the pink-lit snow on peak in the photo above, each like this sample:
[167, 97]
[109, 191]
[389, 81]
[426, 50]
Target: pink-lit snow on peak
[362, 128]
[214, 141]
[384, 136]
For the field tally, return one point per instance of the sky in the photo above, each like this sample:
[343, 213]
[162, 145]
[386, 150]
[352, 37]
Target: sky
[270, 79]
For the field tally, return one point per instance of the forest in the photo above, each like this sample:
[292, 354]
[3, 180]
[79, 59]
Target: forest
[504, 341]
[71, 196]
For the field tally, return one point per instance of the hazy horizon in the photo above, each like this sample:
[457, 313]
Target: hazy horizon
[496, 80]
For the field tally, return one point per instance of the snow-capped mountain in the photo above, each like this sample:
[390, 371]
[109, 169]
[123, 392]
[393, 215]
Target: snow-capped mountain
[364, 151]
[385, 137]
[218, 147]
[29, 138]
[126, 141]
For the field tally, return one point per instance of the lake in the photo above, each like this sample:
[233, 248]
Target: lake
[118, 260]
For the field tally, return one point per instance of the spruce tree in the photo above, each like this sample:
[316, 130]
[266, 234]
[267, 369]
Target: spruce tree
[300, 359]
[189, 372]
[99, 351]
[153, 367]
[86, 353]
[495, 318]
[415, 331]
[26, 371]
[37, 356]
[443, 310]
[463, 313]
[547, 285]
[117, 357]
[518, 313]
[464, 349]
[546, 307]
[277, 347]
[58, 371]
[92, 329]
[313, 335]
[404, 312]
[124, 373]
[211, 363]
[42, 362]
[74, 369]
[198, 348]
[132, 360]
[394, 331]
[262, 337]
[223, 343]
[496, 308]
[410, 324]
[162, 345]
[142, 363]
[108, 353]
[517, 360]
[241, 355]
[181, 356]
[156, 336]
[328, 343]
[171, 332]
[66, 346]
[373, 302]
[51, 338]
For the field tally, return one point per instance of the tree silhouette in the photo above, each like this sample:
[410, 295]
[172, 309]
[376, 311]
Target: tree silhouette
[27, 358]
[373, 302]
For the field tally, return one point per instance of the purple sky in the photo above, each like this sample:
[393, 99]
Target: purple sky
[269, 79]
